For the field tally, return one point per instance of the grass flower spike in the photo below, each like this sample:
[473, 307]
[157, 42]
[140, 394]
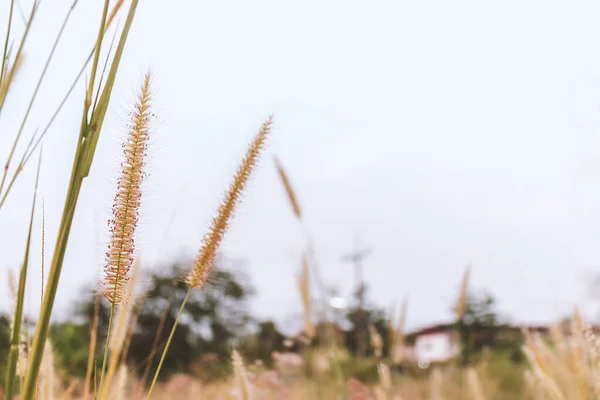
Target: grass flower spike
[288, 189]
[119, 257]
[241, 376]
[206, 255]
[219, 225]
[304, 287]
[461, 302]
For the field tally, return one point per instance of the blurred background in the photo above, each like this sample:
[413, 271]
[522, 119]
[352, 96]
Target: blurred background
[420, 138]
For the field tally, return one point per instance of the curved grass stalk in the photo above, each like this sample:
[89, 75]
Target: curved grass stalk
[105, 356]
[88, 96]
[92, 352]
[156, 340]
[166, 349]
[12, 71]
[36, 90]
[10, 14]
[31, 149]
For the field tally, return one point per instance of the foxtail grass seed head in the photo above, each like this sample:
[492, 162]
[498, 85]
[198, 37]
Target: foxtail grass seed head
[379, 393]
[22, 357]
[210, 244]
[288, 189]
[376, 341]
[12, 287]
[113, 13]
[461, 302]
[47, 375]
[125, 210]
[9, 72]
[124, 313]
[304, 287]
[397, 345]
[241, 376]
[121, 386]
[436, 380]
[474, 385]
[385, 378]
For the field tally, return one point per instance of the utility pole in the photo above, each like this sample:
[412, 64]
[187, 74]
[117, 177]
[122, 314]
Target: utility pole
[356, 258]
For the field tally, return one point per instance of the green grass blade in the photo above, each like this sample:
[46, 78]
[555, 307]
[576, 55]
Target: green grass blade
[100, 112]
[166, 349]
[35, 92]
[14, 177]
[30, 150]
[16, 332]
[10, 14]
[88, 95]
[81, 164]
[10, 76]
[112, 42]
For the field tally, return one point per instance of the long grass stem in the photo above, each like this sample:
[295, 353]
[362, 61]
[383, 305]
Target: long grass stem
[166, 349]
[35, 92]
[106, 345]
[16, 330]
[10, 14]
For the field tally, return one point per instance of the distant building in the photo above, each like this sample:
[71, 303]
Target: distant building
[434, 344]
[439, 343]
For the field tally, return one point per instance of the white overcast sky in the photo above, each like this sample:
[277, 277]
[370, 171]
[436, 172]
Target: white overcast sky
[443, 133]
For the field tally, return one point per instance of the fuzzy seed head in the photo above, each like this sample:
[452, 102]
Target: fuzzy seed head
[461, 303]
[304, 287]
[125, 209]
[22, 357]
[210, 244]
[241, 376]
[12, 286]
[385, 378]
[113, 13]
[288, 189]
[124, 313]
[47, 375]
[121, 383]
[376, 341]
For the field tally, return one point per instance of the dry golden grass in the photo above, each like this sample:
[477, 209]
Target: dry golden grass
[288, 189]
[568, 368]
[304, 288]
[461, 301]
[207, 253]
[396, 334]
[123, 223]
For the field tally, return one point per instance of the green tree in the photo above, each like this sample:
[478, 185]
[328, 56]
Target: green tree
[262, 344]
[360, 317]
[71, 342]
[4, 344]
[479, 326]
[213, 319]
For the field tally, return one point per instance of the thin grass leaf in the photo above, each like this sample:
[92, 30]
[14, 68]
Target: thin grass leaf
[88, 96]
[4, 54]
[16, 331]
[35, 92]
[99, 113]
[12, 71]
[38, 139]
[92, 351]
